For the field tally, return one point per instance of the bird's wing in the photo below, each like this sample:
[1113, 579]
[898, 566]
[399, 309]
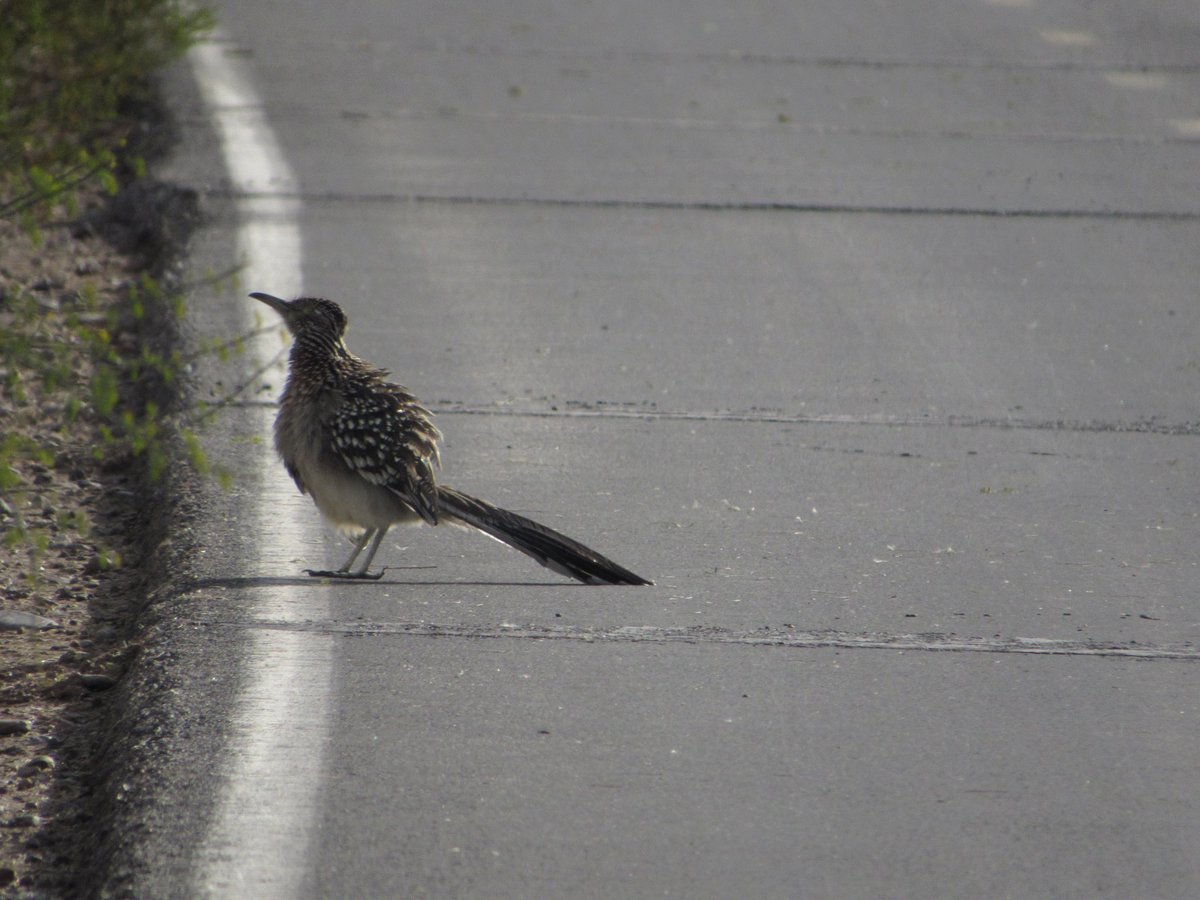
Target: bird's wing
[295, 473]
[384, 435]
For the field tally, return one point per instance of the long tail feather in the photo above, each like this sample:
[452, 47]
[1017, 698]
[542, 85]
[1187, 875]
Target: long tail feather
[553, 550]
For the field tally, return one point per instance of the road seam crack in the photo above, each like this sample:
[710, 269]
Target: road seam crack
[764, 637]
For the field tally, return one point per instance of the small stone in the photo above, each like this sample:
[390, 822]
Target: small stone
[36, 766]
[14, 726]
[15, 620]
[48, 283]
[7, 876]
[24, 820]
[49, 741]
[95, 681]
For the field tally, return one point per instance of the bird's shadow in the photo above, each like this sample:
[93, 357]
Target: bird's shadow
[245, 582]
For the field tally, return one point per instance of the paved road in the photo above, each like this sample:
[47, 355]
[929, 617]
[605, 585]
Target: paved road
[869, 331]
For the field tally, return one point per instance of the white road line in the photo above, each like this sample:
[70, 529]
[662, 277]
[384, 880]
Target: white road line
[259, 841]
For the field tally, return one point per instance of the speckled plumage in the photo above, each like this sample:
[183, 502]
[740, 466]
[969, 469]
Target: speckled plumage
[366, 451]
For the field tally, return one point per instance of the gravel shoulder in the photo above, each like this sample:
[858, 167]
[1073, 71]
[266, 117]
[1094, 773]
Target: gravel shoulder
[73, 591]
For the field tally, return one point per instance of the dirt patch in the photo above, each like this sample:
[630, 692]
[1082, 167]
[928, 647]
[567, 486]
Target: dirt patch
[78, 520]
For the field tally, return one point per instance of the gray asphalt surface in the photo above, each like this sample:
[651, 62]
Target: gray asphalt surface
[869, 331]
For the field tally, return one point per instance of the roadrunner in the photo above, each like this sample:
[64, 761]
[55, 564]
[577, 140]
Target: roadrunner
[365, 450]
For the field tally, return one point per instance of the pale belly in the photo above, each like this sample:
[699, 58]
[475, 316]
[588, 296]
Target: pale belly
[347, 500]
[353, 504]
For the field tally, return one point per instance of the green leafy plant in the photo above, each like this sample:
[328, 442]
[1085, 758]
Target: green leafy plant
[67, 68]
[86, 366]
[70, 73]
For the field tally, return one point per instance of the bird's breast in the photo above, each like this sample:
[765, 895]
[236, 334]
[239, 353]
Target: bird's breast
[344, 497]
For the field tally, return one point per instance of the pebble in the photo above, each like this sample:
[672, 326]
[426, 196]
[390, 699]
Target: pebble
[15, 619]
[48, 282]
[14, 726]
[95, 681]
[35, 766]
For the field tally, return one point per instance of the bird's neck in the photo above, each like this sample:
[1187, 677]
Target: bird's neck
[317, 349]
[315, 355]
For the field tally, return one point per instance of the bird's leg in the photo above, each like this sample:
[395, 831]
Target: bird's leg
[358, 548]
[361, 571]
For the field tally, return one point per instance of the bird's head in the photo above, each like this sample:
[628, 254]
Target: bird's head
[314, 316]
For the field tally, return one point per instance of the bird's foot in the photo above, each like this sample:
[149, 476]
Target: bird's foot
[348, 576]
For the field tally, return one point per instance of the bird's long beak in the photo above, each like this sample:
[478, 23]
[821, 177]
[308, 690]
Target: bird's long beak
[280, 306]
